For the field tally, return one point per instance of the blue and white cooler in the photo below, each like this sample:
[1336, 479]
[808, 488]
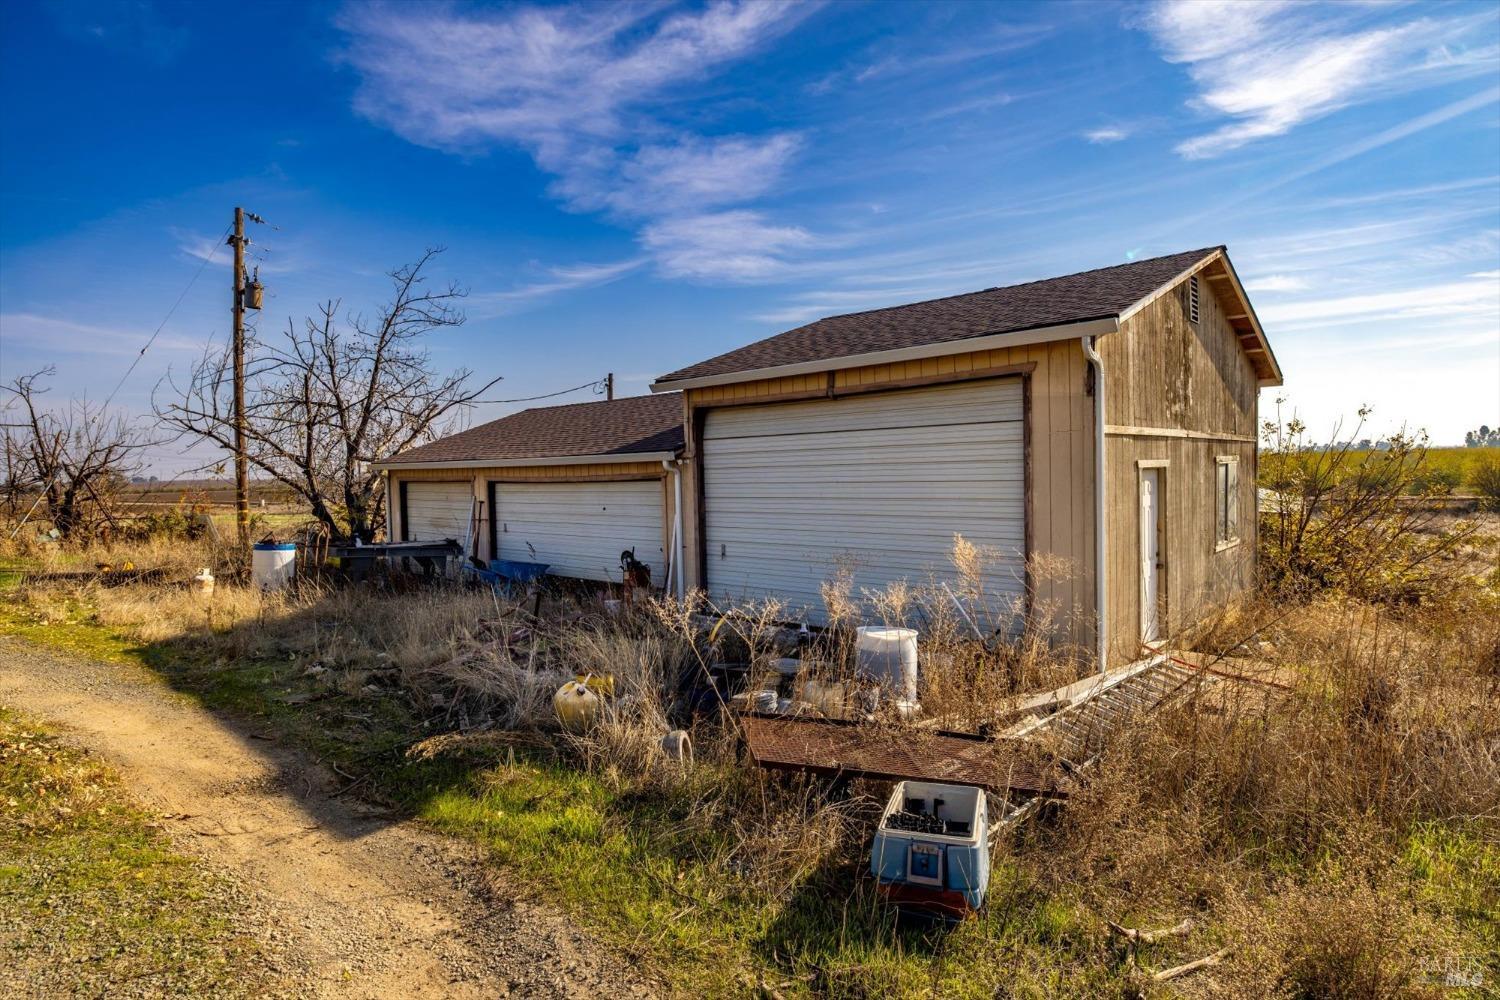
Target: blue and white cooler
[931, 853]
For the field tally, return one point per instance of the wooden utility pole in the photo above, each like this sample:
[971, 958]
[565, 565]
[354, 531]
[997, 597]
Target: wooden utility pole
[241, 462]
[609, 386]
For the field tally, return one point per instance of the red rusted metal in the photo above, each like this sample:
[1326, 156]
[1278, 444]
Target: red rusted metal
[854, 750]
[950, 904]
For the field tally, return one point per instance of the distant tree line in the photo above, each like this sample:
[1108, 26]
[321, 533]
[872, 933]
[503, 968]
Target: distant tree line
[1485, 437]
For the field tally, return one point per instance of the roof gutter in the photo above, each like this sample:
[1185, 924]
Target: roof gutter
[1020, 338]
[393, 465]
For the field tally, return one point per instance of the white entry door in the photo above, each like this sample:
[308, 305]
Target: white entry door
[876, 485]
[1150, 554]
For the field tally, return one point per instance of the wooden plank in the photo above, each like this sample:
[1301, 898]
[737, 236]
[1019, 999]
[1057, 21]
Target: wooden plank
[1128, 431]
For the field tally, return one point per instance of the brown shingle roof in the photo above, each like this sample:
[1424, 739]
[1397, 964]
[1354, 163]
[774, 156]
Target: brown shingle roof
[1070, 299]
[621, 427]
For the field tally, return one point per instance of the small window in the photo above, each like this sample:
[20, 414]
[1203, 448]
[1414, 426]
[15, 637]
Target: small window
[1193, 299]
[1226, 501]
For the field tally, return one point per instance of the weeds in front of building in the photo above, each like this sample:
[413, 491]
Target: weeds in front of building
[1333, 823]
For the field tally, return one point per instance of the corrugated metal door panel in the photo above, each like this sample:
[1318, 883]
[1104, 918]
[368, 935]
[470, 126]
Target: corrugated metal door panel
[435, 511]
[580, 529]
[878, 485]
[876, 411]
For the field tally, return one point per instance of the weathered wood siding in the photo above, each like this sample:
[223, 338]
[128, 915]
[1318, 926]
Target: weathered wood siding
[1060, 432]
[481, 476]
[1184, 394]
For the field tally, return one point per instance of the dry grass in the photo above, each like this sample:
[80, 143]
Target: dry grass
[1282, 818]
[1315, 829]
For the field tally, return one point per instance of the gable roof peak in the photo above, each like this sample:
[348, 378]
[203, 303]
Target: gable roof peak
[1096, 295]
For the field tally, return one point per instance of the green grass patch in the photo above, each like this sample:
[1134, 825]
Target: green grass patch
[68, 626]
[1459, 871]
[93, 900]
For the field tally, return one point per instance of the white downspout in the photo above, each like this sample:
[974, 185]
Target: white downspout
[390, 506]
[674, 568]
[1101, 560]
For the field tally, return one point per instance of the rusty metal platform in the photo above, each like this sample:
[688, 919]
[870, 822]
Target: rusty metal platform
[855, 750]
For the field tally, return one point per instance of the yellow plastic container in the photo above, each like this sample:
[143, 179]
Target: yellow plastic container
[577, 707]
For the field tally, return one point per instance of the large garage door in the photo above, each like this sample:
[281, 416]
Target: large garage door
[879, 483]
[435, 511]
[580, 529]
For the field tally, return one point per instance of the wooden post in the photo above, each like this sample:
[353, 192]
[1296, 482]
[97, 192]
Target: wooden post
[241, 463]
[609, 386]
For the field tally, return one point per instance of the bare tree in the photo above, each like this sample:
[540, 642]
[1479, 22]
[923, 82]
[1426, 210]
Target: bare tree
[327, 401]
[73, 462]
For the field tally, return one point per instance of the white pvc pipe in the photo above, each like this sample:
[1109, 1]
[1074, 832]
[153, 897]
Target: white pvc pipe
[674, 568]
[1101, 535]
[390, 507]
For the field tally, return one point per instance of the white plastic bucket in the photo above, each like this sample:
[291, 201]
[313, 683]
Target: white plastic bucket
[273, 564]
[888, 656]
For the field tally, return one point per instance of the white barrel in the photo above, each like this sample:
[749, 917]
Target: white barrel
[888, 656]
[273, 564]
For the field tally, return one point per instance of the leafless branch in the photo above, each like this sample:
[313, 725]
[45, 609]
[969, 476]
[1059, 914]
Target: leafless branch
[330, 398]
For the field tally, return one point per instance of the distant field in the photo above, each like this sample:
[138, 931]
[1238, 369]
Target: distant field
[1452, 467]
[213, 492]
[1459, 462]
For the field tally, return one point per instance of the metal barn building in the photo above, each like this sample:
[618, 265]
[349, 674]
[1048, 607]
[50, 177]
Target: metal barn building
[869, 440]
[571, 486]
[865, 443]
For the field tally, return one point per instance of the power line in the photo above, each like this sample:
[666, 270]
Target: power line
[110, 398]
[597, 385]
[162, 325]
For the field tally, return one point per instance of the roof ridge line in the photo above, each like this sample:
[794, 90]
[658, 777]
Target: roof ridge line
[1001, 288]
[587, 402]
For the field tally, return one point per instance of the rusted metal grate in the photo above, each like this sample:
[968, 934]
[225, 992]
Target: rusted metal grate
[1081, 731]
[830, 747]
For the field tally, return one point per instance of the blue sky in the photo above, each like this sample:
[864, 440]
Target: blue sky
[634, 187]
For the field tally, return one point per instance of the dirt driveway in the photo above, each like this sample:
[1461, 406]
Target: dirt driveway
[358, 904]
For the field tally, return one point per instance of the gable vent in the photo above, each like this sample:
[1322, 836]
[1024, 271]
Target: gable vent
[1193, 299]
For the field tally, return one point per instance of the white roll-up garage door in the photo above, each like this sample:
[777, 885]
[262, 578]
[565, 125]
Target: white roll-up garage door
[580, 529]
[880, 483]
[435, 511]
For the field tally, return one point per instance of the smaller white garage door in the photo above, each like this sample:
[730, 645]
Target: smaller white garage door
[435, 511]
[580, 529]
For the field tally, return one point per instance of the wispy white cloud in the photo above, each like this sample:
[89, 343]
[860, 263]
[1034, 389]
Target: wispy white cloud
[1453, 301]
[1271, 65]
[559, 278]
[739, 245]
[579, 87]
[1107, 134]
[53, 334]
[212, 250]
[702, 173]
[906, 59]
[1276, 283]
[200, 247]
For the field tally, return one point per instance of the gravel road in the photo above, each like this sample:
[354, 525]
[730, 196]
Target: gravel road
[352, 902]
